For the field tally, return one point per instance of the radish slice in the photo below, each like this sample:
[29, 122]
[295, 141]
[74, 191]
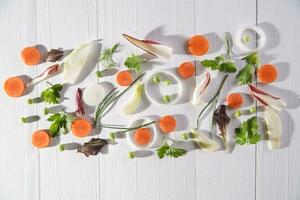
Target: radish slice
[151, 47]
[93, 94]
[200, 89]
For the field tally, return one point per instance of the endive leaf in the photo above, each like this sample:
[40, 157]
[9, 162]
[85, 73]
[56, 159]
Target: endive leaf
[200, 89]
[273, 123]
[203, 142]
[135, 101]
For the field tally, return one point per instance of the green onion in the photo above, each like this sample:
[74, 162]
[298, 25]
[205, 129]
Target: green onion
[30, 119]
[184, 136]
[246, 38]
[166, 99]
[131, 155]
[156, 79]
[112, 136]
[237, 113]
[61, 147]
[35, 100]
[46, 111]
[99, 74]
[167, 82]
[252, 110]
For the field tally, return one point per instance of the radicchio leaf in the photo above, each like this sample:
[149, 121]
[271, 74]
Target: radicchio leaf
[222, 120]
[92, 147]
[80, 107]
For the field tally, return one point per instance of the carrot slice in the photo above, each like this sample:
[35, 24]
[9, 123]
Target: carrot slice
[235, 100]
[267, 73]
[40, 139]
[14, 86]
[198, 45]
[142, 136]
[31, 55]
[167, 124]
[124, 78]
[186, 70]
[81, 127]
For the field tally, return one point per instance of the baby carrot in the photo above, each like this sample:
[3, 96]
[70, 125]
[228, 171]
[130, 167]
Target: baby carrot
[40, 139]
[81, 127]
[186, 70]
[235, 100]
[142, 136]
[14, 86]
[198, 45]
[31, 55]
[167, 124]
[267, 73]
[124, 78]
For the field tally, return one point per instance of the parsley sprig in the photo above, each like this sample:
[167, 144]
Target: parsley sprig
[245, 75]
[167, 150]
[220, 63]
[52, 94]
[106, 57]
[59, 124]
[134, 62]
[247, 133]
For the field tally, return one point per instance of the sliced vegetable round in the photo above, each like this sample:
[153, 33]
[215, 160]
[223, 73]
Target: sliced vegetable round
[14, 86]
[124, 78]
[198, 45]
[167, 124]
[81, 127]
[31, 55]
[235, 100]
[40, 139]
[143, 136]
[267, 73]
[93, 94]
[186, 70]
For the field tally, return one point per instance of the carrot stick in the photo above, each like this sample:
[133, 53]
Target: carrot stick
[167, 124]
[40, 139]
[14, 86]
[124, 78]
[142, 136]
[235, 100]
[186, 70]
[31, 55]
[198, 45]
[81, 127]
[267, 73]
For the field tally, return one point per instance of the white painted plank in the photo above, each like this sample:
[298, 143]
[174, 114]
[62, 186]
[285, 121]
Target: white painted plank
[220, 175]
[67, 175]
[19, 171]
[278, 175]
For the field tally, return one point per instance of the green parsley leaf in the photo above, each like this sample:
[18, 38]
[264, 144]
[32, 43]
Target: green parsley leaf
[247, 133]
[167, 150]
[219, 64]
[59, 124]
[106, 57]
[245, 75]
[133, 62]
[52, 95]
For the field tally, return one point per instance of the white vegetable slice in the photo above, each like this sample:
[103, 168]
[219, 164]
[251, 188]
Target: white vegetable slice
[273, 123]
[75, 62]
[93, 94]
[135, 101]
[200, 89]
[203, 142]
[151, 47]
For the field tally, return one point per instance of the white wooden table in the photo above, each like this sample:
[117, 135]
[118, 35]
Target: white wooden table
[249, 173]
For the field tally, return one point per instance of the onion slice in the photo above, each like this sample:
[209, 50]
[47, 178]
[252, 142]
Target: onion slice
[151, 47]
[273, 123]
[203, 142]
[200, 89]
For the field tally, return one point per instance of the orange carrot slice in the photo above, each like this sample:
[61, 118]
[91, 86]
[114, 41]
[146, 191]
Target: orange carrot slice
[235, 100]
[124, 78]
[186, 70]
[167, 124]
[14, 86]
[31, 55]
[267, 73]
[40, 139]
[198, 45]
[81, 127]
[142, 136]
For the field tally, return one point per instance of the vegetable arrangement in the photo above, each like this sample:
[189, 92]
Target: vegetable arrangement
[144, 135]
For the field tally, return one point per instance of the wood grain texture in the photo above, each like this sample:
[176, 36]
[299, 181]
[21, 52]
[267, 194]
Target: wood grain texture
[248, 173]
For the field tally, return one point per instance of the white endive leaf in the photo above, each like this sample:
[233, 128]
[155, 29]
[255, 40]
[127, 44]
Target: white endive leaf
[273, 123]
[74, 63]
[203, 142]
[135, 101]
[200, 89]
[276, 104]
[151, 47]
